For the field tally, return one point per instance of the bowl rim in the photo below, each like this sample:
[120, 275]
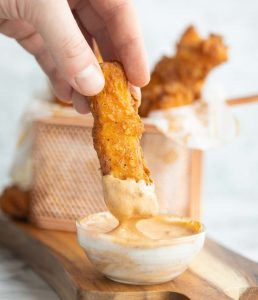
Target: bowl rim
[139, 244]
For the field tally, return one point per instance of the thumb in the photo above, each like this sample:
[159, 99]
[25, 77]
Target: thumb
[69, 49]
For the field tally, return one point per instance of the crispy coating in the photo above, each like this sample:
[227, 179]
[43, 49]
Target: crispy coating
[178, 80]
[15, 203]
[118, 128]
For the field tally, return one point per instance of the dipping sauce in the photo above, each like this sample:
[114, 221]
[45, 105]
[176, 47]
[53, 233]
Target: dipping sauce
[127, 199]
[135, 207]
[161, 228]
[157, 230]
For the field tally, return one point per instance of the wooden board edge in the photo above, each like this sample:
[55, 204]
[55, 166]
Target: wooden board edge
[13, 234]
[15, 239]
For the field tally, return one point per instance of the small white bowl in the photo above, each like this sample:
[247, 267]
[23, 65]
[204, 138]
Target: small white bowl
[134, 262]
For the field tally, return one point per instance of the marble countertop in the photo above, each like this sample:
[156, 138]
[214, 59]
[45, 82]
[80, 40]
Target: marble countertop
[230, 174]
[18, 281]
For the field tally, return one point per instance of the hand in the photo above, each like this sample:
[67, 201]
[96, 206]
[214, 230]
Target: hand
[59, 34]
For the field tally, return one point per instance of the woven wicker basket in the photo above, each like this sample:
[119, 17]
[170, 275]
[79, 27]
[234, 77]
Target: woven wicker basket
[67, 182]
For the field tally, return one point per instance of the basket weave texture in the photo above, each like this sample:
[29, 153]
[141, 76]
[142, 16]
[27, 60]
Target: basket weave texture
[67, 181]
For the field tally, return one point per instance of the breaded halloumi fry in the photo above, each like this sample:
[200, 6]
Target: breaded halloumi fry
[118, 128]
[178, 80]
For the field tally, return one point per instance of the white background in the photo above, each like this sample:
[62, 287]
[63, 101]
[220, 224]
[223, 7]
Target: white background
[230, 187]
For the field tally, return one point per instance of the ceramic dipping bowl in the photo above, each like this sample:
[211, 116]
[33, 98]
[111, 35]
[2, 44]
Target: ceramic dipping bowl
[133, 261]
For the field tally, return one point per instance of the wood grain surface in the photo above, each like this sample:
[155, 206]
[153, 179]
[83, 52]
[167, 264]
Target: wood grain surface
[216, 273]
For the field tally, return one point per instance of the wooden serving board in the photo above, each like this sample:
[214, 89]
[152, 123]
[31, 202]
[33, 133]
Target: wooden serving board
[216, 273]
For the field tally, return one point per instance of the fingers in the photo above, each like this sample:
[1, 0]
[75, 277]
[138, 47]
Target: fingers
[70, 51]
[95, 25]
[80, 103]
[16, 29]
[30, 40]
[63, 52]
[121, 22]
[36, 46]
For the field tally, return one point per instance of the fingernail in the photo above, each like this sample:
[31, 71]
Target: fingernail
[136, 93]
[90, 80]
[80, 103]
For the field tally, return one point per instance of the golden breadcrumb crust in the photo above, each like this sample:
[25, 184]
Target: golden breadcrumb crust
[117, 127]
[178, 80]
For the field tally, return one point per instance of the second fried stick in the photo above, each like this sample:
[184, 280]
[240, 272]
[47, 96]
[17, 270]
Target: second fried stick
[178, 80]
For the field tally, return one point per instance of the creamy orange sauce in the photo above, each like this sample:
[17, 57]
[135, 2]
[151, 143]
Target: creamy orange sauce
[135, 206]
[154, 231]
[128, 199]
[161, 229]
[151, 229]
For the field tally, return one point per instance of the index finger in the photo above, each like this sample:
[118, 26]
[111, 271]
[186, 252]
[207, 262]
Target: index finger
[123, 27]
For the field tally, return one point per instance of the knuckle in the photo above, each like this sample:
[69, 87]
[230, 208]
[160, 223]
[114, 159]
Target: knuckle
[73, 55]
[43, 3]
[37, 10]
[112, 7]
[16, 9]
[72, 47]
[23, 9]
